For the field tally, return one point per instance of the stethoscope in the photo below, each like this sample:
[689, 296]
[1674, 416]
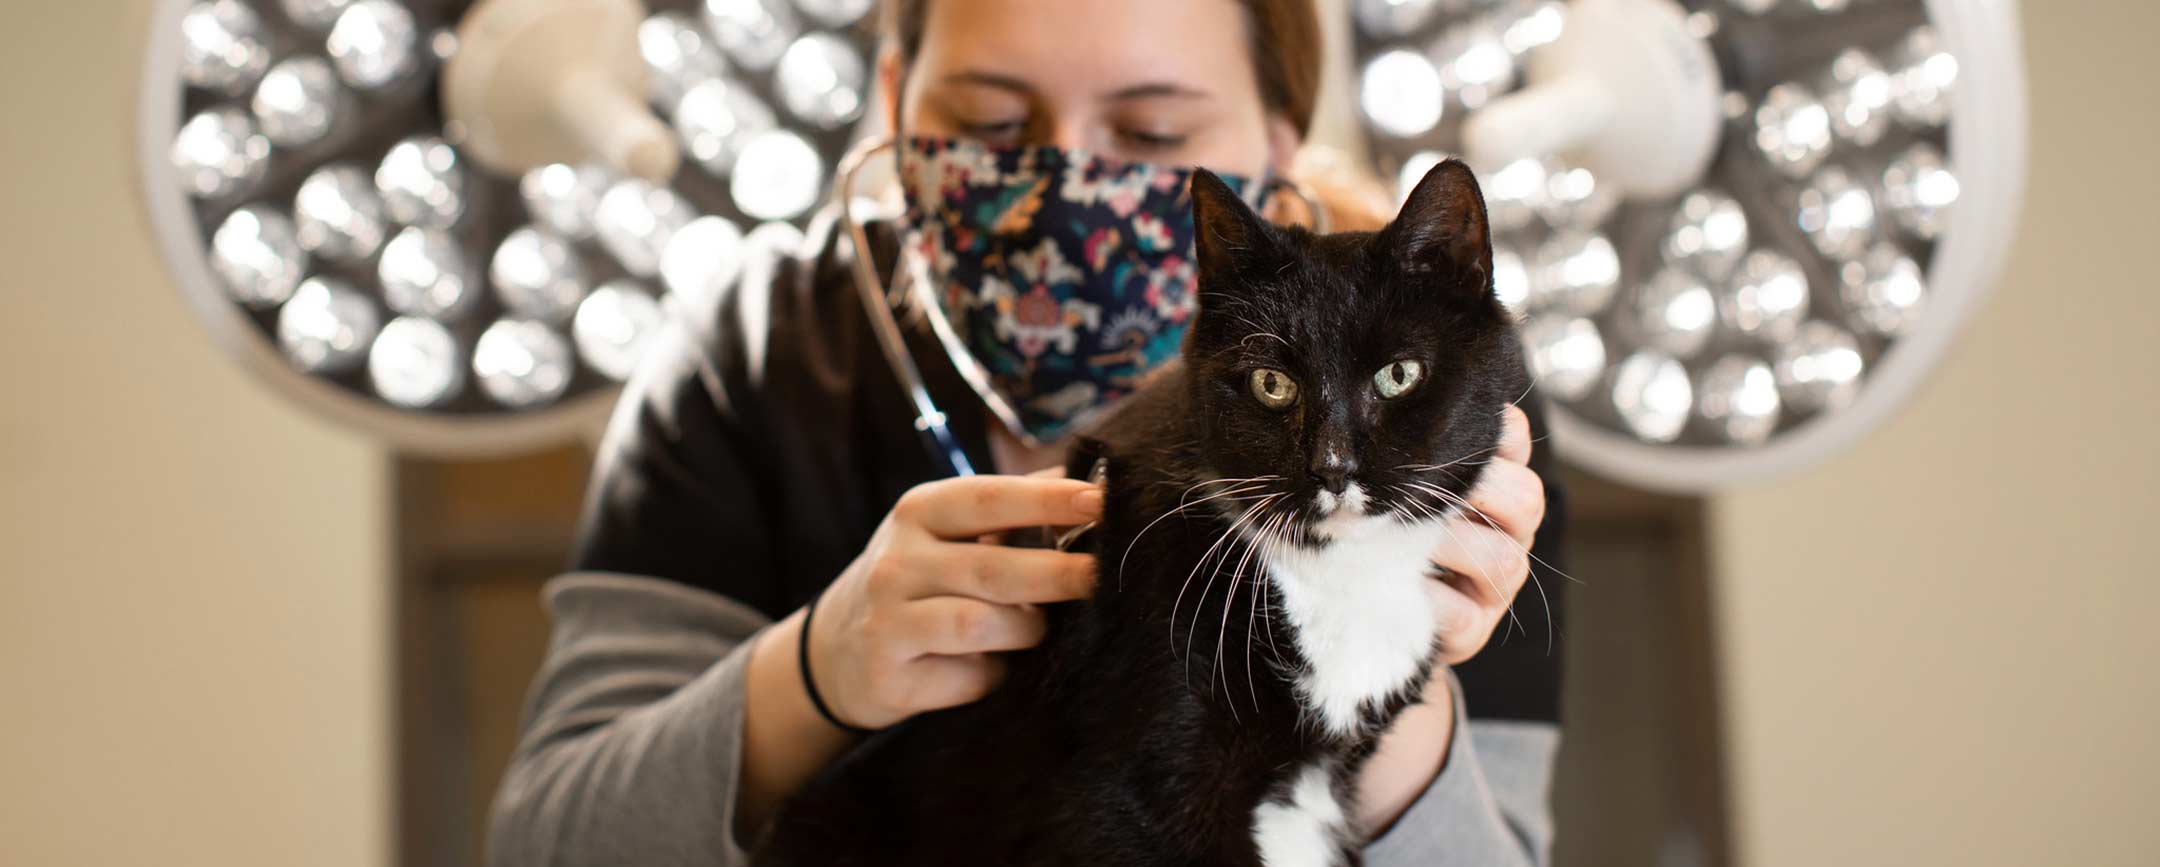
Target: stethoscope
[879, 302]
[879, 305]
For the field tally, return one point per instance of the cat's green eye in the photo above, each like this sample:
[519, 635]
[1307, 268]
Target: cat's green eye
[1396, 380]
[1273, 388]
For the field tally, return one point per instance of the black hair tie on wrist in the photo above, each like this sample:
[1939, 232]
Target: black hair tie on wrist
[802, 657]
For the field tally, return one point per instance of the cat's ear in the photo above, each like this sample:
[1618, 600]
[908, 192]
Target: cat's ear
[1442, 230]
[1227, 235]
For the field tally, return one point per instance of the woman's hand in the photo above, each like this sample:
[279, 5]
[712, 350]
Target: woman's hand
[1486, 558]
[1486, 561]
[914, 623]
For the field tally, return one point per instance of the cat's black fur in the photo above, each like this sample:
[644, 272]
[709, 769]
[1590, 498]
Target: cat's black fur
[1111, 743]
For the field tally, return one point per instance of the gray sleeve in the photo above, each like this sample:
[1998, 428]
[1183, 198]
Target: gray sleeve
[1490, 806]
[633, 730]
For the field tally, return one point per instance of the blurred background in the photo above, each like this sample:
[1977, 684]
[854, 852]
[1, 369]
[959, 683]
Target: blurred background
[233, 632]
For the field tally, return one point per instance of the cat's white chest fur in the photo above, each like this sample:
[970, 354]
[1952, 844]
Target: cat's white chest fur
[1362, 612]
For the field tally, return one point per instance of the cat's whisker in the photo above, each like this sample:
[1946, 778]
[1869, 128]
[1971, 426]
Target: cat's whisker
[1550, 626]
[1252, 610]
[1222, 673]
[1459, 502]
[1151, 524]
[1179, 604]
[1223, 481]
[1251, 546]
[1534, 377]
[1458, 462]
[1220, 666]
[1485, 542]
[1485, 566]
[1274, 539]
[1461, 461]
[1410, 507]
[1231, 535]
[1222, 670]
[1515, 622]
[1230, 487]
[1201, 605]
[1441, 519]
[1410, 499]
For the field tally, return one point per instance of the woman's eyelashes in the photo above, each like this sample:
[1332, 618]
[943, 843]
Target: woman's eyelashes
[993, 132]
[1128, 143]
[1149, 142]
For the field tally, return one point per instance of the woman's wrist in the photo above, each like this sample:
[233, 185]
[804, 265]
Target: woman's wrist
[785, 740]
[1410, 757]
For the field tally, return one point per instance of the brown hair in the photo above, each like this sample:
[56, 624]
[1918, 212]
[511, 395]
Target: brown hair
[1285, 45]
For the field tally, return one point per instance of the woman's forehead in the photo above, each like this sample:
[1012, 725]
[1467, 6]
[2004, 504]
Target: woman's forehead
[1093, 49]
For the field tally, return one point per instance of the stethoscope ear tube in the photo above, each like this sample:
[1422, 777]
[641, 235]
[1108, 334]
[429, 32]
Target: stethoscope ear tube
[930, 422]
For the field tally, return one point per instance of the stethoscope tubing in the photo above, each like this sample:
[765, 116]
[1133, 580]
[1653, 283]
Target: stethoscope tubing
[930, 421]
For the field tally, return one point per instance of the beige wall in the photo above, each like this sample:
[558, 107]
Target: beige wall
[1941, 648]
[193, 588]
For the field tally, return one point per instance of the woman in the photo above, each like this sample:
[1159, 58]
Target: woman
[765, 456]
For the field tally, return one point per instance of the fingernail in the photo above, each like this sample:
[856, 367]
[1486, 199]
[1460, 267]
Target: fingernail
[1088, 503]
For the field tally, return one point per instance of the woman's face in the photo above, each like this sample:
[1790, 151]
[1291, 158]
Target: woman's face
[1162, 81]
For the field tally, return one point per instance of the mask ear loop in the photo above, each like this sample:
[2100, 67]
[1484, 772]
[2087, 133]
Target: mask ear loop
[929, 421]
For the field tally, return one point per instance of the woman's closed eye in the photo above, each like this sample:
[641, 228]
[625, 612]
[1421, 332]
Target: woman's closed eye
[1131, 143]
[994, 132]
[1150, 142]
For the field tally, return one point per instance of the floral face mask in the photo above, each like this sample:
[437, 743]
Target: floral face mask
[1059, 278]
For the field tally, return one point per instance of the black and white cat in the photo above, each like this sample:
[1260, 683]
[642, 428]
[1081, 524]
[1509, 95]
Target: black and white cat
[1262, 613]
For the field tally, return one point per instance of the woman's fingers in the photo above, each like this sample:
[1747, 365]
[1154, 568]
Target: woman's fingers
[1484, 571]
[1511, 497]
[949, 681]
[972, 506]
[1464, 625]
[1483, 564]
[994, 573]
[1514, 435]
[955, 625]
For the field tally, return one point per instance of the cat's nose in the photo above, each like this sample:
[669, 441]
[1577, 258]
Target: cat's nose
[1332, 472]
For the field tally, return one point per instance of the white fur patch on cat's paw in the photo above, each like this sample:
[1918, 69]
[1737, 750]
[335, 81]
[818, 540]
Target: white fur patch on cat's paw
[1305, 828]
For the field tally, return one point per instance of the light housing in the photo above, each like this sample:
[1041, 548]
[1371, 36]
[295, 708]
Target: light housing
[342, 236]
[1852, 203]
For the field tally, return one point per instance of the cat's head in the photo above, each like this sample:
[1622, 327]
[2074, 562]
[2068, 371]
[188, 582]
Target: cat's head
[1360, 376]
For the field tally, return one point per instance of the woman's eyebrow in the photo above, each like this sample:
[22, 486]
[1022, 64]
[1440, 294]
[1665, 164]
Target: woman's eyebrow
[1152, 89]
[1143, 90]
[989, 79]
